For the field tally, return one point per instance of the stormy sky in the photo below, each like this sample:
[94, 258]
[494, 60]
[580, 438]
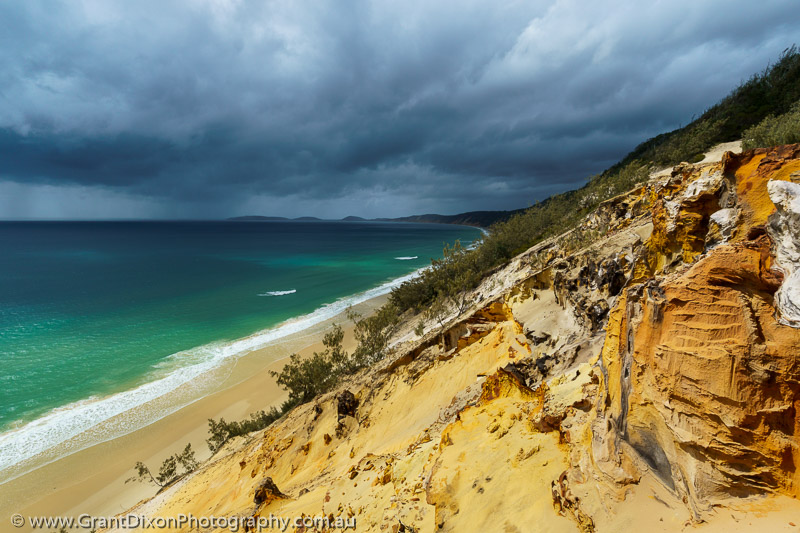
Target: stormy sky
[210, 108]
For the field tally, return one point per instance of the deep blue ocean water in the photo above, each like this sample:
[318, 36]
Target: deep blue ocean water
[89, 309]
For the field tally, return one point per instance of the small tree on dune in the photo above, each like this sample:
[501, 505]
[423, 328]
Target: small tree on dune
[169, 471]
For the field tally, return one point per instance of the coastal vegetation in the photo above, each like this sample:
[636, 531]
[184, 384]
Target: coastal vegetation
[221, 431]
[306, 378]
[171, 469]
[771, 92]
[774, 130]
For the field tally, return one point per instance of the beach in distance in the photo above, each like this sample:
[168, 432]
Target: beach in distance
[122, 339]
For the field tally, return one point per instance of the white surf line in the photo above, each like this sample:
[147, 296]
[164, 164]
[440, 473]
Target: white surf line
[64, 423]
[278, 293]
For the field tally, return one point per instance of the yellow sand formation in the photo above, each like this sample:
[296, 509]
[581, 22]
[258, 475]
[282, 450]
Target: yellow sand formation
[565, 400]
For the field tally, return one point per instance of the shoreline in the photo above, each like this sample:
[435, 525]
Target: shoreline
[75, 426]
[92, 479]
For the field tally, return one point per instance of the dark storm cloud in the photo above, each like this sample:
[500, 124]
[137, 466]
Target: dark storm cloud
[212, 108]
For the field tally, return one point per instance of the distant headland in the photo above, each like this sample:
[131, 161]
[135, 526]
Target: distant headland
[479, 219]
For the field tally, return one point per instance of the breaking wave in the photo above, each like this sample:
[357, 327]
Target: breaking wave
[278, 293]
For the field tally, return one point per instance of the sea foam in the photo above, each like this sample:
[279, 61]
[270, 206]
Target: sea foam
[407, 258]
[41, 437]
[278, 293]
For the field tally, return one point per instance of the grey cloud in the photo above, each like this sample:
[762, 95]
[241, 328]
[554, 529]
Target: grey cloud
[209, 108]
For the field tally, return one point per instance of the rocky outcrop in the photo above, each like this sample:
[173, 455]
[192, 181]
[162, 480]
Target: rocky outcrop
[267, 492]
[721, 226]
[751, 172]
[692, 210]
[702, 382]
[346, 405]
[784, 228]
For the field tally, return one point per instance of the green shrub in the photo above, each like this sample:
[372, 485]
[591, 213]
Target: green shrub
[770, 92]
[221, 431]
[305, 378]
[774, 131]
[171, 469]
[372, 336]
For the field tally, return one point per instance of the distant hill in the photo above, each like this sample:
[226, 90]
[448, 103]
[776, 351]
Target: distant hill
[480, 219]
[255, 218]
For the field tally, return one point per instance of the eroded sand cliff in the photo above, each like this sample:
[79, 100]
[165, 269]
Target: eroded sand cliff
[648, 380]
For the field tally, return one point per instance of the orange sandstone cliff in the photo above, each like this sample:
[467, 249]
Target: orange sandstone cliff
[650, 379]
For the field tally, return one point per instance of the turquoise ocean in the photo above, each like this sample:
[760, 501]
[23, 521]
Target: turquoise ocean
[99, 317]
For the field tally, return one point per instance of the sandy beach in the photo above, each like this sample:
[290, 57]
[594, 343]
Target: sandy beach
[92, 481]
